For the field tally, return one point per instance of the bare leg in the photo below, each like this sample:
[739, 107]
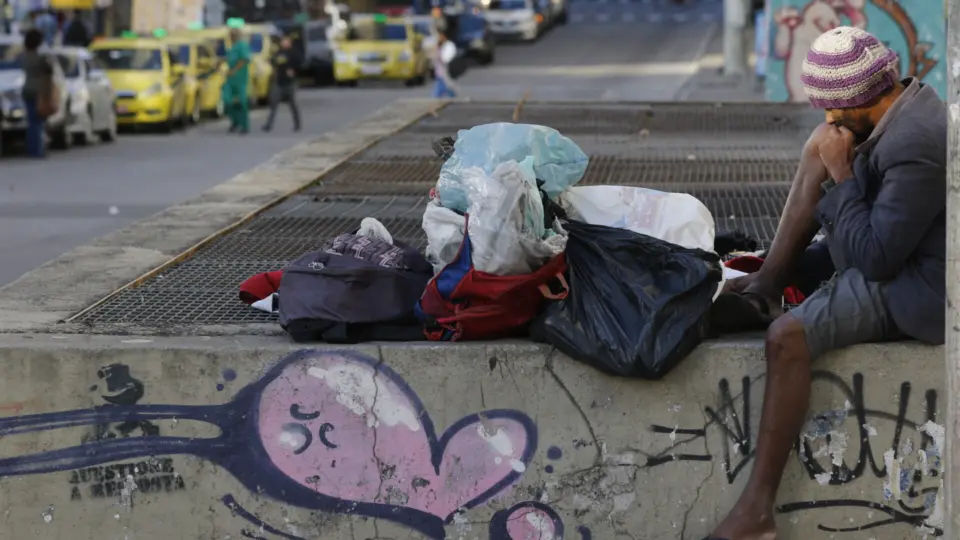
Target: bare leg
[785, 403]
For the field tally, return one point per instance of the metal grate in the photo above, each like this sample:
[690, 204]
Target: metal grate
[155, 305]
[678, 147]
[625, 119]
[739, 160]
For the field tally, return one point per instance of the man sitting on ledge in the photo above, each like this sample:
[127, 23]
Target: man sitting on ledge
[873, 177]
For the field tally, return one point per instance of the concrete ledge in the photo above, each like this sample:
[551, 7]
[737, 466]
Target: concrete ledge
[258, 438]
[77, 279]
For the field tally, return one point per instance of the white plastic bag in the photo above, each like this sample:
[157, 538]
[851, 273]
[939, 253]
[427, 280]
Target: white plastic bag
[552, 158]
[372, 228]
[448, 51]
[506, 219]
[672, 217]
[444, 229]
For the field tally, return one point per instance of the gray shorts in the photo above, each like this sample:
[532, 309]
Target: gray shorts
[847, 310]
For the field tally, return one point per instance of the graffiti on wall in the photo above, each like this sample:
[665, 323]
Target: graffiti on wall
[838, 447]
[913, 28]
[342, 433]
[331, 431]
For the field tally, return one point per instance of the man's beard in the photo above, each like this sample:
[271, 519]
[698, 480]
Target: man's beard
[861, 132]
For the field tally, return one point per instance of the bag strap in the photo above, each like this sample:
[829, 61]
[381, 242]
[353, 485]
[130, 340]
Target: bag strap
[550, 295]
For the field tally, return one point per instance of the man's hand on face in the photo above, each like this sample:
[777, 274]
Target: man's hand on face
[812, 146]
[836, 151]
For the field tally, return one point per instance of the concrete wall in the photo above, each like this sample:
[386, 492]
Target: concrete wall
[914, 28]
[227, 438]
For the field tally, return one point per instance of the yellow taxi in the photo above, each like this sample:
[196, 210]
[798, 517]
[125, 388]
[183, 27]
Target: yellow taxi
[260, 49]
[379, 47]
[205, 75]
[147, 80]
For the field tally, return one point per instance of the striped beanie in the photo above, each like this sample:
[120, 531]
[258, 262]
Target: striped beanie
[847, 67]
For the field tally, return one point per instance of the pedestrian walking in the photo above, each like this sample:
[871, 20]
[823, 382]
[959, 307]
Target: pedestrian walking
[77, 34]
[44, 22]
[235, 97]
[284, 85]
[443, 54]
[37, 87]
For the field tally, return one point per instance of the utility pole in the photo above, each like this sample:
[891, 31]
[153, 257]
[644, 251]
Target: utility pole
[952, 467]
[735, 16]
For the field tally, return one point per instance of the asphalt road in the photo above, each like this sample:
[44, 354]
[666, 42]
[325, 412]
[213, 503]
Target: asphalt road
[52, 206]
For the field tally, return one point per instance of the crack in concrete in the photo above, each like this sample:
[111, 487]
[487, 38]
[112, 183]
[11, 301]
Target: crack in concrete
[514, 380]
[548, 365]
[696, 498]
[376, 424]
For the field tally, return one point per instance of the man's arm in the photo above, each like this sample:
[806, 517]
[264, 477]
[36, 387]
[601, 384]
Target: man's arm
[877, 239]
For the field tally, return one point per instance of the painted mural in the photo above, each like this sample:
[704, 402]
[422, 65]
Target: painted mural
[337, 432]
[344, 434]
[916, 29]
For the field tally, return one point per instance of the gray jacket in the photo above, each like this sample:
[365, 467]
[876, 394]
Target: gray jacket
[889, 220]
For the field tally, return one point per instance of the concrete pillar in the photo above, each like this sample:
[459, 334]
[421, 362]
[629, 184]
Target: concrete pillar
[735, 43]
[951, 481]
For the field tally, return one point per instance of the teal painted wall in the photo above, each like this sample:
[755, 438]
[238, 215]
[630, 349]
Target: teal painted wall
[916, 29]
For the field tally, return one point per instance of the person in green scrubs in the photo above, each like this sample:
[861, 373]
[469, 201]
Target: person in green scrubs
[238, 78]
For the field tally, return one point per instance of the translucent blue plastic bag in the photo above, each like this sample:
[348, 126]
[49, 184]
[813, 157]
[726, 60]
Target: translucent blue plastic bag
[556, 160]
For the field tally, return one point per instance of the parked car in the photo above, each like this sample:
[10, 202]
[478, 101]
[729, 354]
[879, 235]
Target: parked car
[314, 42]
[261, 37]
[381, 48]
[559, 11]
[147, 80]
[219, 37]
[13, 115]
[92, 112]
[204, 75]
[516, 19]
[464, 23]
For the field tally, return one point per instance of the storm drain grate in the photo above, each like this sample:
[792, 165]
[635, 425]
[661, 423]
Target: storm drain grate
[156, 306]
[417, 177]
[738, 160]
[627, 119]
[700, 147]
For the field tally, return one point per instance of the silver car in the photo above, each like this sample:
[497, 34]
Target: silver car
[13, 113]
[91, 96]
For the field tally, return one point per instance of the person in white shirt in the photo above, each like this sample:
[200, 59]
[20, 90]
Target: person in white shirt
[443, 54]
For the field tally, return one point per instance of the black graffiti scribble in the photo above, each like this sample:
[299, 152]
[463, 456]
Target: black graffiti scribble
[325, 428]
[896, 516]
[297, 414]
[842, 474]
[122, 390]
[734, 425]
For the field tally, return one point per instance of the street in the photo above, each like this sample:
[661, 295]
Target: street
[615, 51]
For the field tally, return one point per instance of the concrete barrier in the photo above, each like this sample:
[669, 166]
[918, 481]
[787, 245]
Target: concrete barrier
[231, 433]
[109, 437]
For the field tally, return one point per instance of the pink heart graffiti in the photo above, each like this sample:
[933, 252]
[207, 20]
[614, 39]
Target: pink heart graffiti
[344, 427]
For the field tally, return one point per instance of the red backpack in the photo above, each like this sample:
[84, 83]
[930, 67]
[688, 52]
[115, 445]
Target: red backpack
[462, 303]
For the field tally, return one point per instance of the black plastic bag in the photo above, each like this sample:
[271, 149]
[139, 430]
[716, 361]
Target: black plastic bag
[637, 305]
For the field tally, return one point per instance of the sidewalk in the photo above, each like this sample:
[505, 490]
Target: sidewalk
[709, 84]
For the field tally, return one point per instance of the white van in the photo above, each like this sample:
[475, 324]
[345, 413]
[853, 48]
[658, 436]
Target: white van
[516, 19]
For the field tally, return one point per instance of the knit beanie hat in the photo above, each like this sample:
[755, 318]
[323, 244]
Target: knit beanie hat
[847, 67]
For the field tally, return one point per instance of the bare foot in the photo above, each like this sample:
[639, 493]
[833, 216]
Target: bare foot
[746, 524]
